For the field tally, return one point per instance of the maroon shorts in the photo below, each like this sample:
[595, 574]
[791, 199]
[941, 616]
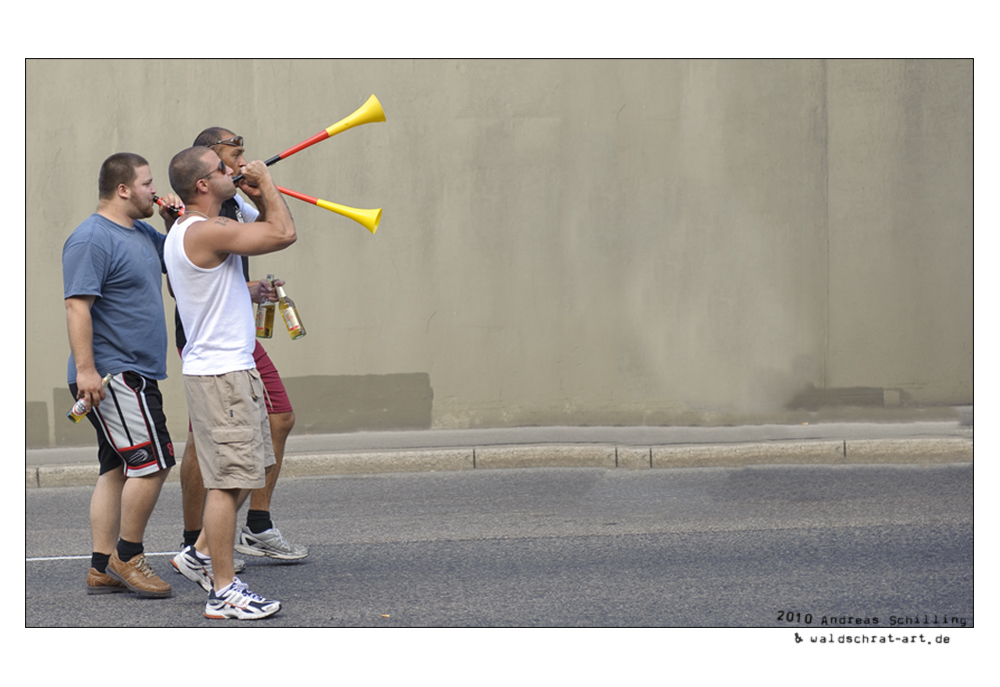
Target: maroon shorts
[275, 396]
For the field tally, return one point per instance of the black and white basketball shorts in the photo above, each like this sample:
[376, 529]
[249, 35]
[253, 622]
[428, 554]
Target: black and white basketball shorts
[131, 427]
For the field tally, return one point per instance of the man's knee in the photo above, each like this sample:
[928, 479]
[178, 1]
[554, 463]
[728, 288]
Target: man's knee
[281, 422]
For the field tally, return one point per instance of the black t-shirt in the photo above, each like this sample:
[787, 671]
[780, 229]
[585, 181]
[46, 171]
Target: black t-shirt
[229, 209]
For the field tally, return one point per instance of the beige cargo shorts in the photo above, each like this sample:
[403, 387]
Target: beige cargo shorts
[231, 431]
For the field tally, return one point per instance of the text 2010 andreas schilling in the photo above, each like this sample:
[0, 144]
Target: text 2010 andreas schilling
[926, 619]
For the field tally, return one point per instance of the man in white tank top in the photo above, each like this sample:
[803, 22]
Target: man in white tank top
[224, 391]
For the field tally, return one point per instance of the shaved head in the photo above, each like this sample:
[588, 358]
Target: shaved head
[186, 168]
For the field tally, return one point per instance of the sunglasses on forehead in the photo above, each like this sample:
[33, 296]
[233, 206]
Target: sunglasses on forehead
[235, 141]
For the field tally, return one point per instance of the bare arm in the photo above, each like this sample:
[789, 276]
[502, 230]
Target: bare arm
[208, 243]
[259, 187]
[81, 343]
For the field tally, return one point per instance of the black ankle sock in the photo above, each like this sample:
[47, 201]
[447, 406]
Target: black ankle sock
[99, 561]
[190, 537]
[259, 520]
[128, 550]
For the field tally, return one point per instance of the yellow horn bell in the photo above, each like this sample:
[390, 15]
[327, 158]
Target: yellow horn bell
[368, 113]
[369, 219]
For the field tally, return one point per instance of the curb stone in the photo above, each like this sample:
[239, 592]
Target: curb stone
[359, 463]
[951, 450]
[818, 452]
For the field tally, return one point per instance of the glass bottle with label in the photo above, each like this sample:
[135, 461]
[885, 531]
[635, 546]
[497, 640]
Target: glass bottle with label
[80, 409]
[290, 314]
[265, 315]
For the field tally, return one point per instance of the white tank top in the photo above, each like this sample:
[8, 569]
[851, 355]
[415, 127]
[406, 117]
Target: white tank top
[215, 308]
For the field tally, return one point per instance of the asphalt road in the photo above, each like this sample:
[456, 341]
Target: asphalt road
[822, 548]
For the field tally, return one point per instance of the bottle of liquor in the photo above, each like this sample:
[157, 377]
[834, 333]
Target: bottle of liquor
[290, 315]
[265, 315]
[79, 409]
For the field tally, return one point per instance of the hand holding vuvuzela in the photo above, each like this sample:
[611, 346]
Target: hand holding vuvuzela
[253, 178]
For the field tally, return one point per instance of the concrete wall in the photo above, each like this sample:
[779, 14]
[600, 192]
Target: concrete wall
[562, 242]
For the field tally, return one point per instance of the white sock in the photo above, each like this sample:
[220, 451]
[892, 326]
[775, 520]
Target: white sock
[225, 589]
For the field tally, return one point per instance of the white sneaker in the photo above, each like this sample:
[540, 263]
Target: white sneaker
[193, 566]
[238, 602]
[197, 568]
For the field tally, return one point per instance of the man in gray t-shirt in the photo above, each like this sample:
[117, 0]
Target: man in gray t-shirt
[121, 266]
[112, 280]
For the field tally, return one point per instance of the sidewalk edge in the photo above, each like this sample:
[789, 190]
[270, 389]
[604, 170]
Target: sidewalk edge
[818, 452]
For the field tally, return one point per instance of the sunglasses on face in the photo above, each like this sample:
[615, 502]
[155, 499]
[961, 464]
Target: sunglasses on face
[221, 169]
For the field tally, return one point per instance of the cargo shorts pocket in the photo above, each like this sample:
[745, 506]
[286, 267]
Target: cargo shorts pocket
[236, 447]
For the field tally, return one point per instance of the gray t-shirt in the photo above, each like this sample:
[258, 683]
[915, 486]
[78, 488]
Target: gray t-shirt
[123, 267]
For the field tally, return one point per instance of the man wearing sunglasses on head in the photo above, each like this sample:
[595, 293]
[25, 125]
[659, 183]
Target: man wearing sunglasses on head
[259, 537]
[224, 390]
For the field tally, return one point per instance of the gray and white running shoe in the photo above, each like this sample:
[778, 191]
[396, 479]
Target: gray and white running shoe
[269, 543]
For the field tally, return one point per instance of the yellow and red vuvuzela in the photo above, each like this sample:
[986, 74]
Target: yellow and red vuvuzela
[369, 219]
[368, 113]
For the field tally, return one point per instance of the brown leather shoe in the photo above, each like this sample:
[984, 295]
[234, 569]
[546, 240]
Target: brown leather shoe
[138, 576]
[102, 583]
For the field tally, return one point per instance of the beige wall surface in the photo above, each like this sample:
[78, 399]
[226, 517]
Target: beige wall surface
[562, 242]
